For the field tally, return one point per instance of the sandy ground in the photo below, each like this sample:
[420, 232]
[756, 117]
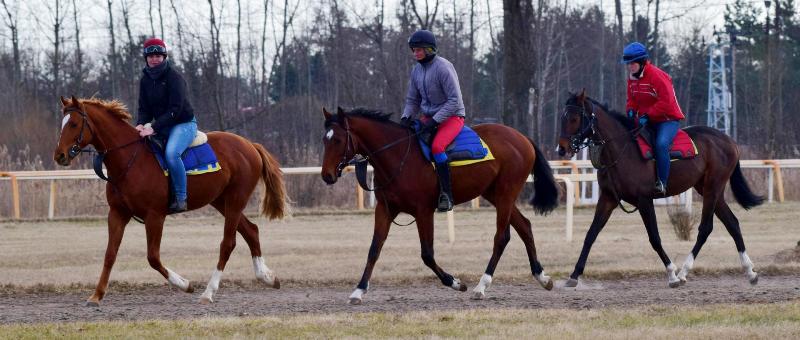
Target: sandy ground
[48, 269]
[162, 302]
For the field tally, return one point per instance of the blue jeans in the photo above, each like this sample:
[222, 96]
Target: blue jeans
[665, 133]
[180, 136]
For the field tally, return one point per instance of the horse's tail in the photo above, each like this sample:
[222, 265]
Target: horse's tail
[741, 191]
[545, 196]
[274, 204]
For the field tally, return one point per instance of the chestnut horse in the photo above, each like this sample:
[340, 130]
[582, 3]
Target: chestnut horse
[624, 175]
[137, 187]
[406, 182]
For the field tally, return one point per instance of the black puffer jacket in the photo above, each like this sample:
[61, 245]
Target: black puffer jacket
[162, 96]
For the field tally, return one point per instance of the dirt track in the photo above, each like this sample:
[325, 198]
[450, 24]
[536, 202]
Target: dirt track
[162, 302]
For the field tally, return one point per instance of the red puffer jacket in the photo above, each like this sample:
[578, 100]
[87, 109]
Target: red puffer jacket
[653, 94]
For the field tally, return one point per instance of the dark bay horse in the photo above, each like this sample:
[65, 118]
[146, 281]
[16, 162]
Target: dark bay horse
[624, 175]
[406, 182]
[138, 187]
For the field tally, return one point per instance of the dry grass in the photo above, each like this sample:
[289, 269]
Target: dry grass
[682, 221]
[772, 321]
[332, 248]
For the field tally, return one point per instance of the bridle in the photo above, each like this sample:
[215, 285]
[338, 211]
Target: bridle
[350, 157]
[76, 148]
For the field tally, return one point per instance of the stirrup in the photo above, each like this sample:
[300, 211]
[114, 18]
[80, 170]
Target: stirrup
[445, 203]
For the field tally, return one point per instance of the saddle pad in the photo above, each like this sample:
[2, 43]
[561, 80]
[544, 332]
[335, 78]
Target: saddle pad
[197, 160]
[466, 148]
[682, 147]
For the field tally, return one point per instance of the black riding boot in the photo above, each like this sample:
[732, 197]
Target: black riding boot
[660, 188]
[445, 192]
[178, 206]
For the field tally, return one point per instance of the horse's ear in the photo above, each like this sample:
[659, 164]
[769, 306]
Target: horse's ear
[327, 114]
[75, 101]
[64, 101]
[339, 111]
[582, 96]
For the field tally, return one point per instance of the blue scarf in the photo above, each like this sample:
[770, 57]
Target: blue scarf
[156, 71]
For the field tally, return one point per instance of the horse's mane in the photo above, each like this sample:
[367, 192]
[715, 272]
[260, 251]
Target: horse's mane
[618, 116]
[371, 114]
[114, 107]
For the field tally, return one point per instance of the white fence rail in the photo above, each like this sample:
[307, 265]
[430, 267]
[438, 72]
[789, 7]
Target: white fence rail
[580, 172]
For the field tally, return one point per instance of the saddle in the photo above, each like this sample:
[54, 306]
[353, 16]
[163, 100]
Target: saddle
[466, 148]
[682, 147]
[199, 157]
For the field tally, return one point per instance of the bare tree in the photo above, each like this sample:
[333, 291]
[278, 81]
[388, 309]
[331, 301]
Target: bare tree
[517, 61]
[161, 19]
[112, 55]
[78, 51]
[217, 65]
[150, 14]
[12, 24]
[238, 53]
[429, 17]
[634, 30]
[264, 78]
[179, 28]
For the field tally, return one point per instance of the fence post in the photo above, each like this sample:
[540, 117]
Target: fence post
[359, 197]
[14, 192]
[51, 209]
[451, 227]
[776, 169]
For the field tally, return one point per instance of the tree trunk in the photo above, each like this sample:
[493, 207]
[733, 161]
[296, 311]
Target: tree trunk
[517, 61]
[113, 53]
[78, 51]
[238, 54]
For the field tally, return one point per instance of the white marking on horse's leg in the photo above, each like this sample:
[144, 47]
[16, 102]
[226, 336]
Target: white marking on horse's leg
[211, 288]
[687, 266]
[479, 292]
[672, 279]
[456, 284]
[752, 276]
[178, 281]
[262, 272]
[544, 280]
[356, 297]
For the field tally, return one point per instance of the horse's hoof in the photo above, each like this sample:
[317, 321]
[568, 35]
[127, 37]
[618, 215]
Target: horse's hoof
[548, 285]
[462, 288]
[90, 303]
[682, 281]
[675, 284]
[205, 300]
[355, 301]
[276, 284]
[754, 280]
[478, 295]
[571, 283]
[189, 288]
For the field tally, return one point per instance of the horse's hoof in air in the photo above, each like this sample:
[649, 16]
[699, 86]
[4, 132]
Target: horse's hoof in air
[675, 284]
[571, 283]
[462, 288]
[355, 301]
[190, 288]
[90, 303]
[754, 280]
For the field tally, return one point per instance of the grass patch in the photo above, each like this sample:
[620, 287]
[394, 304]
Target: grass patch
[781, 320]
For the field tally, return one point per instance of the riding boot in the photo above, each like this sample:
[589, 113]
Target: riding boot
[660, 188]
[445, 191]
[178, 206]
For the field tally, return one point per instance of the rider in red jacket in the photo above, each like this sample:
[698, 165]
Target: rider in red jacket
[651, 99]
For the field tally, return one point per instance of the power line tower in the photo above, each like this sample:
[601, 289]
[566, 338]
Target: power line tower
[720, 102]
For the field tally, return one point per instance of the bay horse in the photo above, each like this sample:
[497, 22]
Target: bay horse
[624, 175]
[406, 182]
[137, 187]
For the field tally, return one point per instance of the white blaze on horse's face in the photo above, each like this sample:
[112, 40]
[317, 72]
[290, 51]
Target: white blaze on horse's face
[329, 135]
[64, 122]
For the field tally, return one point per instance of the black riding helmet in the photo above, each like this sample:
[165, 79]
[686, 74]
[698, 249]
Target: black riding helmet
[423, 39]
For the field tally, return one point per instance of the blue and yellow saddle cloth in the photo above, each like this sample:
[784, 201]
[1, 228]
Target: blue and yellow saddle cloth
[197, 160]
[466, 148]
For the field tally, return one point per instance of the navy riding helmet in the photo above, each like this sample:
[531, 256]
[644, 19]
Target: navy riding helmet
[423, 39]
[634, 52]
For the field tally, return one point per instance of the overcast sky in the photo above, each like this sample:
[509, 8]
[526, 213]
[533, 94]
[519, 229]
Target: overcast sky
[35, 18]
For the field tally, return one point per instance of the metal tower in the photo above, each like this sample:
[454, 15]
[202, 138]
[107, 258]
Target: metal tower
[719, 94]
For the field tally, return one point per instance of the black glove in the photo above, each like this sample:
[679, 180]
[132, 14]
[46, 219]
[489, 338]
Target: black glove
[429, 125]
[406, 122]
